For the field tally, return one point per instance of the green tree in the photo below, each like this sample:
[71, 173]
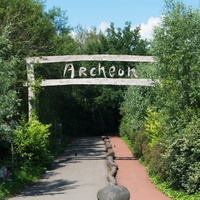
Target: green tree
[34, 33]
[176, 46]
[125, 41]
[166, 113]
[33, 30]
[9, 100]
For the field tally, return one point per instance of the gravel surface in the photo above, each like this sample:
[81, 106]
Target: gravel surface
[77, 175]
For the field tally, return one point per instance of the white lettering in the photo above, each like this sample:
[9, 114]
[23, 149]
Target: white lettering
[82, 71]
[71, 68]
[133, 72]
[92, 72]
[112, 71]
[121, 72]
[102, 69]
[99, 72]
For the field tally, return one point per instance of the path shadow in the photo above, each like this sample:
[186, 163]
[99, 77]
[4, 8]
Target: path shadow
[78, 149]
[91, 148]
[49, 188]
[125, 158]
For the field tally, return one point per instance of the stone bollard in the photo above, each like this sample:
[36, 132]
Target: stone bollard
[113, 192]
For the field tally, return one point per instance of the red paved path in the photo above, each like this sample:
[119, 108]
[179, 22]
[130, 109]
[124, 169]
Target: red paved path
[132, 174]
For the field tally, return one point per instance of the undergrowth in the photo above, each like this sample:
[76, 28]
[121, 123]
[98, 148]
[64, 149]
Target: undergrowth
[25, 175]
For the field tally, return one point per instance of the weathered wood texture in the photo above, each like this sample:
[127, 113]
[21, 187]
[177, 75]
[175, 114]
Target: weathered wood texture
[31, 80]
[100, 57]
[97, 81]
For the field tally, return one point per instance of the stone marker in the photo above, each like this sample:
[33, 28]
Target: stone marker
[113, 192]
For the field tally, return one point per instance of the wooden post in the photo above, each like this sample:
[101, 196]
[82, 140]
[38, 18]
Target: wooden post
[31, 81]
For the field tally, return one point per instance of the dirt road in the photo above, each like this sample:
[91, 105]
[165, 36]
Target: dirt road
[77, 175]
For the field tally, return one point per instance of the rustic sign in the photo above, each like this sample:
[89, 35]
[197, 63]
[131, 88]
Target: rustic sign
[83, 72]
[100, 71]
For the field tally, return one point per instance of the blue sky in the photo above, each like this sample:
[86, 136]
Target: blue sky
[100, 13]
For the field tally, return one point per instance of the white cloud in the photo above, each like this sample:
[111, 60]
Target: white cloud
[147, 29]
[103, 26]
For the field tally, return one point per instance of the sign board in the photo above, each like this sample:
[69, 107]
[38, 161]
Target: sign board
[92, 73]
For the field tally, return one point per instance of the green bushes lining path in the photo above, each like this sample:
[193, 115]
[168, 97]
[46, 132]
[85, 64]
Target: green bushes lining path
[32, 156]
[163, 122]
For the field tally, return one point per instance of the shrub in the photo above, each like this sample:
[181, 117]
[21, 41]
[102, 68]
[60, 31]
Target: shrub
[183, 155]
[32, 142]
[154, 125]
[140, 144]
[155, 161]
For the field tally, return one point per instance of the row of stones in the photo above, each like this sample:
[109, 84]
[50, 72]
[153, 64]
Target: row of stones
[112, 166]
[113, 191]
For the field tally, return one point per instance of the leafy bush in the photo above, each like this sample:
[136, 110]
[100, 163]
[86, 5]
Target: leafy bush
[183, 155]
[133, 109]
[32, 142]
[155, 161]
[152, 127]
[166, 188]
[140, 144]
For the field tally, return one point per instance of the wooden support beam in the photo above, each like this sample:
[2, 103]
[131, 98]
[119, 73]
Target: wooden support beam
[100, 57]
[31, 80]
[97, 81]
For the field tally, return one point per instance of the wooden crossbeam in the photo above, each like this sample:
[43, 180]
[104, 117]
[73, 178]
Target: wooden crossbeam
[97, 81]
[100, 57]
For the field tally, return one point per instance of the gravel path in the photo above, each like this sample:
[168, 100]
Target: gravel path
[77, 175]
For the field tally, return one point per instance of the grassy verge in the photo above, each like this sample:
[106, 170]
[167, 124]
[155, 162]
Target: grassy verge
[164, 187]
[173, 194]
[25, 175]
[22, 177]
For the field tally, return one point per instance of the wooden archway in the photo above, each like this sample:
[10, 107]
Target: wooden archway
[30, 61]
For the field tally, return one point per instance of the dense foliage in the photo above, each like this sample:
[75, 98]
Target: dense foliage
[162, 122]
[26, 30]
[9, 100]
